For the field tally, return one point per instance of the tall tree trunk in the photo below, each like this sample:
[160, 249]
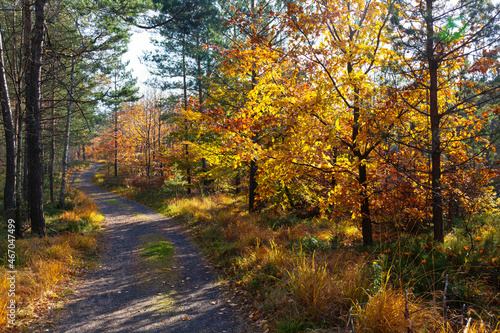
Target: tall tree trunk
[366, 222]
[160, 147]
[116, 128]
[62, 190]
[204, 168]
[10, 142]
[52, 146]
[184, 82]
[116, 141]
[252, 189]
[19, 134]
[252, 186]
[33, 127]
[19, 167]
[437, 195]
[237, 182]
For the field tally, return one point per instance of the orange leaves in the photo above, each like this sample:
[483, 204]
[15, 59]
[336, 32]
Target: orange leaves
[488, 62]
[320, 108]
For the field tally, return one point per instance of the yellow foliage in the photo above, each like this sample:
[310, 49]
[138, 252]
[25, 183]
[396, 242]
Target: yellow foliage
[390, 311]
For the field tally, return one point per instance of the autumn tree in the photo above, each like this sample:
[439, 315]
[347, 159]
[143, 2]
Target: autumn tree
[240, 65]
[181, 62]
[342, 47]
[444, 44]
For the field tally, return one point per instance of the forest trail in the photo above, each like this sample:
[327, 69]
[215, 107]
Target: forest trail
[123, 295]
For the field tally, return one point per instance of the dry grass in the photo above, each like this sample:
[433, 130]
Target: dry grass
[289, 282]
[391, 311]
[263, 258]
[84, 209]
[313, 289]
[42, 263]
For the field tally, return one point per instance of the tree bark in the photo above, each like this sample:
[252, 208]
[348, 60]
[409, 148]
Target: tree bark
[33, 127]
[186, 146]
[62, 190]
[116, 141]
[252, 186]
[252, 190]
[10, 142]
[52, 147]
[366, 221]
[437, 196]
[19, 168]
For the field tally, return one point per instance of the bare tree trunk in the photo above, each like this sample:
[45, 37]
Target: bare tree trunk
[116, 141]
[19, 167]
[252, 186]
[200, 102]
[62, 190]
[437, 195]
[19, 136]
[252, 190]
[366, 221]
[52, 147]
[184, 80]
[33, 127]
[10, 142]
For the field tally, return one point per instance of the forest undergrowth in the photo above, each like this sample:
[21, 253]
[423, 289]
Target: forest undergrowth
[311, 274]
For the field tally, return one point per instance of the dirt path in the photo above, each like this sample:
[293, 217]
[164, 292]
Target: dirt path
[121, 296]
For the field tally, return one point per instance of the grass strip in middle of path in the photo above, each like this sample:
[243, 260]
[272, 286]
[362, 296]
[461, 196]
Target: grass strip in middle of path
[158, 266]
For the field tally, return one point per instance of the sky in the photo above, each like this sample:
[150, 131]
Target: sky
[139, 42]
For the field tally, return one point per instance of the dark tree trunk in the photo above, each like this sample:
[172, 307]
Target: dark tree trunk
[437, 196]
[62, 190]
[10, 143]
[33, 127]
[237, 183]
[19, 168]
[366, 221]
[116, 143]
[200, 102]
[186, 146]
[52, 147]
[252, 186]
[252, 190]
[204, 169]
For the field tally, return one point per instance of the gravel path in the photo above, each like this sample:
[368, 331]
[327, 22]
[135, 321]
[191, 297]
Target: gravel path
[122, 296]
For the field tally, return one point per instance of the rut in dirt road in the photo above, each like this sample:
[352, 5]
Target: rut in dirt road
[121, 296]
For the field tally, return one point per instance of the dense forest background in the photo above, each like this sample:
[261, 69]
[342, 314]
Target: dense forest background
[377, 120]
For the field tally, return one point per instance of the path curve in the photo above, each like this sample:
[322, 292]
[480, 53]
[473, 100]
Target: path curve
[117, 297]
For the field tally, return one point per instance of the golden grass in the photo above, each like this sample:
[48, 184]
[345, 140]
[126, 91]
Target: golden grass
[264, 260]
[391, 311]
[84, 209]
[44, 262]
[313, 289]
[316, 286]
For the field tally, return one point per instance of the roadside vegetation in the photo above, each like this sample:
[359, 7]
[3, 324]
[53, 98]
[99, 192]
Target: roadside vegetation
[46, 267]
[297, 274]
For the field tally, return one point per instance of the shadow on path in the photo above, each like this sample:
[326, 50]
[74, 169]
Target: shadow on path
[118, 297]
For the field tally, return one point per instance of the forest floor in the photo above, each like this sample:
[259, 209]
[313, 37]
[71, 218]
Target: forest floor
[134, 288]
